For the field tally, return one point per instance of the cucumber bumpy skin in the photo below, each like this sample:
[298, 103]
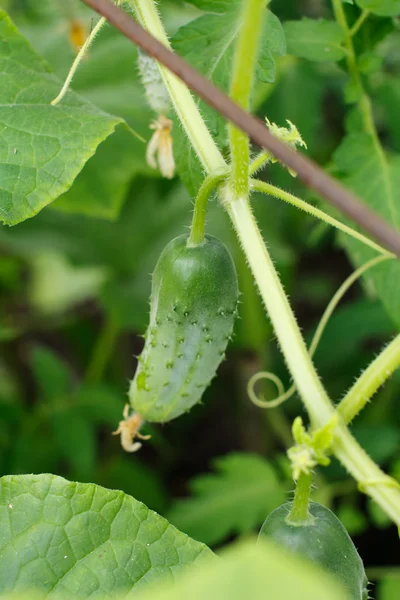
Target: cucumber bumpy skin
[193, 306]
[324, 541]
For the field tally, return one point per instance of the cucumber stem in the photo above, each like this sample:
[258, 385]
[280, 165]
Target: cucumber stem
[370, 381]
[200, 208]
[250, 24]
[299, 514]
[360, 22]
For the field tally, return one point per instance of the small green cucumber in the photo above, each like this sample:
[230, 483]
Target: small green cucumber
[193, 306]
[324, 541]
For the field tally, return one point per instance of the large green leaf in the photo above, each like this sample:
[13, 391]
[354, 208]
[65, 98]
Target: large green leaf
[318, 40]
[108, 77]
[382, 8]
[247, 570]
[79, 540]
[254, 572]
[375, 177]
[208, 43]
[235, 500]
[42, 148]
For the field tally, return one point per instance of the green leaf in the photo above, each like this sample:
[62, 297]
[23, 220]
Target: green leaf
[375, 177]
[253, 571]
[75, 439]
[102, 186]
[42, 148]
[208, 43]
[136, 478]
[79, 540]
[315, 40]
[235, 500]
[51, 373]
[108, 78]
[383, 8]
[388, 97]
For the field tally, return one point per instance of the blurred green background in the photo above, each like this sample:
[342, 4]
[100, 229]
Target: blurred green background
[74, 288]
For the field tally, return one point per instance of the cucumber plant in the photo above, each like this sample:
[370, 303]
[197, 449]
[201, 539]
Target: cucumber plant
[195, 292]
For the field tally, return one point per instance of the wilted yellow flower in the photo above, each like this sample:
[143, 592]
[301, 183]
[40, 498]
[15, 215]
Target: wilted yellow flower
[128, 428]
[77, 34]
[161, 145]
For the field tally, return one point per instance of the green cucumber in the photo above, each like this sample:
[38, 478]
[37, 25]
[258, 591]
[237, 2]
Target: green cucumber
[193, 306]
[324, 541]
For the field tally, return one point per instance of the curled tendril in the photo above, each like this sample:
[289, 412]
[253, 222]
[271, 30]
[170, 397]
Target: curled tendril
[337, 297]
[261, 402]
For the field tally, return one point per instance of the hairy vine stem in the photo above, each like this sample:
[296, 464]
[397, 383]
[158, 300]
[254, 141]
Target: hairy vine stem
[370, 381]
[299, 514]
[279, 310]
[272, 190]
[200, 207]
[251, 23]
[320, 409]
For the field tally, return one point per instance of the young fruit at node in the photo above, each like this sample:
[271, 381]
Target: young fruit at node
[193, 305]
[322, 539]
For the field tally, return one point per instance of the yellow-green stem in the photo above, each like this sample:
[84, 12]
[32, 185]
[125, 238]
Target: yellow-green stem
[299, 514]
[279, 310]
[271, 190]
[370, 381]
[371, 480]
[360, 22]
[184, 104]
[200, 207]
[260, 161]
[250, 23]
[102, 352]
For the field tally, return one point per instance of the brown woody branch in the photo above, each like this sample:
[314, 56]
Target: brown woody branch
[312, 175]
